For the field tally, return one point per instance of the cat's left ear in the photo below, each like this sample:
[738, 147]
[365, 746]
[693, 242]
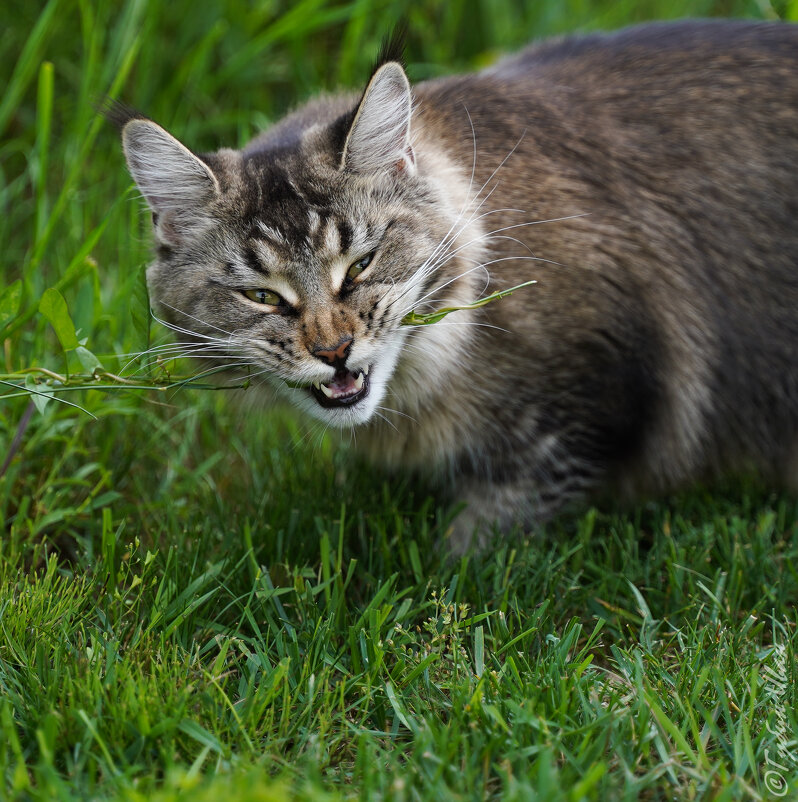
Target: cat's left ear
[379, 138]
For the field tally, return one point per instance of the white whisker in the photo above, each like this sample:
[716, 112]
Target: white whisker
[397, 412]
[187, 314]
[383, 417]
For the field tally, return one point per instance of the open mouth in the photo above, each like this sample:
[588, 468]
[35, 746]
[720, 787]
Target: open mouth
[343, 390]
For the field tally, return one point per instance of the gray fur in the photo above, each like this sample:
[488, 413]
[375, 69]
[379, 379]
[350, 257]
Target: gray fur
[647, 179]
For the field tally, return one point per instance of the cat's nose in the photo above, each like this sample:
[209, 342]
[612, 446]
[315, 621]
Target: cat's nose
[335, 356]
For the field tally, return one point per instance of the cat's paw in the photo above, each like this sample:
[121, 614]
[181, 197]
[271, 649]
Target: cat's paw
[490, 512]
[469, 532]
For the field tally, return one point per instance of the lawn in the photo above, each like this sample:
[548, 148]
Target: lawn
[202, 599]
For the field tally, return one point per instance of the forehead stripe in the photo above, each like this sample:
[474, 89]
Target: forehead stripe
[251, 258]
[331, 240]
[273, 235]
[344, 235]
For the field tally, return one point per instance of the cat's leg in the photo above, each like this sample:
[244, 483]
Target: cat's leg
[494, 508]
[563, 449]
[489, 509]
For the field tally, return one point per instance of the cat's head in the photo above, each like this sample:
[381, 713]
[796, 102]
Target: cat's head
[295, 260]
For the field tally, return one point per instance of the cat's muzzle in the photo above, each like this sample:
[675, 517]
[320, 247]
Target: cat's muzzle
[343, 390]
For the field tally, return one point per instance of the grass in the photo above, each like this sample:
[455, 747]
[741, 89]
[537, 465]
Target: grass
[198, 601]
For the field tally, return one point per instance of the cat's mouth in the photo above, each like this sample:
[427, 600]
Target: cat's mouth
[343, 390]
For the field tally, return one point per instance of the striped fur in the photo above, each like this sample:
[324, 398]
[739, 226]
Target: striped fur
[647, 179]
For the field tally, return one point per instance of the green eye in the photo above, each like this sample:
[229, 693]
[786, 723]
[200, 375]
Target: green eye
[264, 297]
[356, 268]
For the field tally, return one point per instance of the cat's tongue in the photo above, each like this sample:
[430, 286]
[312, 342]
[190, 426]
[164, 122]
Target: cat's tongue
[345, 388]
[345, 383]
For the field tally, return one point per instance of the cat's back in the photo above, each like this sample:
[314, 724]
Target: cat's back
[669, 154]
[644, 57]
[635, 78]
[701, 106]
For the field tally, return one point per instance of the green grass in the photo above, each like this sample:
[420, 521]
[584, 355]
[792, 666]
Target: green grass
[199, 601]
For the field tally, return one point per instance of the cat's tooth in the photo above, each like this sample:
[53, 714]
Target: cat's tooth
[359, 381]
[317, 385]
[366, 371]
[326, 390]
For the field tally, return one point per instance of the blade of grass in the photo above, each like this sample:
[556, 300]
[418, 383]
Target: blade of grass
[26, 64]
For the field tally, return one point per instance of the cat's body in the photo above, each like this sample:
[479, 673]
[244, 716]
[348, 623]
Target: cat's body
[660, 342]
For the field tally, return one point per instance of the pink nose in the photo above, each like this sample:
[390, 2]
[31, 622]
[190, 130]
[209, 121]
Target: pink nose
[336, 355]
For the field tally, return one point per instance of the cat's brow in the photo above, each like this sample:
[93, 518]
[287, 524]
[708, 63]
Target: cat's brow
[330, 236]
[329, 239]
[314, 221]
[345, 234]
[272, 236]
[260, 255]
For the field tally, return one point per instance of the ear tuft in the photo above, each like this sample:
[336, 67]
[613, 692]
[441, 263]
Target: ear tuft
[393, 48]
[379, 138]
[118, 114]
[172, 179]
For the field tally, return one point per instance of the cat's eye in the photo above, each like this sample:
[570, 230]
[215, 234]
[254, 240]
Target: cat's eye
[356, 268]
[264, 297]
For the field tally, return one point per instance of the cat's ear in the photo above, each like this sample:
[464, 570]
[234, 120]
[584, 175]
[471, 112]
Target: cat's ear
[177, 185]
[379, 138]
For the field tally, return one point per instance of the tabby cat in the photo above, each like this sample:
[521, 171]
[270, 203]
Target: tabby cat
[646, 179]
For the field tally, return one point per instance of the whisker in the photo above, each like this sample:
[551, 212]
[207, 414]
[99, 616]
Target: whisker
[491, 235]
[196, 334]
[188, 314]
[436, 289]
[397, 412]
[483, 265]
[383, 417]
[217, 355]
[448, 322]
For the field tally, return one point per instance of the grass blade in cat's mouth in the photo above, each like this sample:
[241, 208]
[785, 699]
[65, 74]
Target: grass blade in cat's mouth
[343, 390]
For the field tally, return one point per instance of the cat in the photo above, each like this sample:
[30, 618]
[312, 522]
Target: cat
[646, 179]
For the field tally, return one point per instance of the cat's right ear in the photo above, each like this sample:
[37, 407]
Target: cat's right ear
[177, 185]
